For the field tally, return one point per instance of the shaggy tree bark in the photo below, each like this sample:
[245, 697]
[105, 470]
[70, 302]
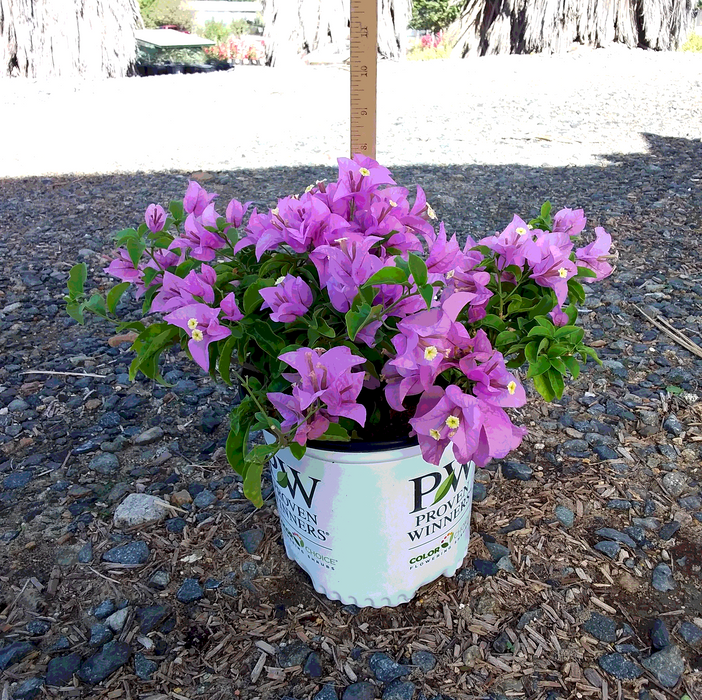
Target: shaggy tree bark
[67, 38]
[294, 28]
[553, 26]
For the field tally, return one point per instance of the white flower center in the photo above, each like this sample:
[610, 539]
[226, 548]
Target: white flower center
[450, 274]
[280, 280]
[521, 230]
[364, 171]
[198, 335]
[435, 434]
[512, 387]
[430, 352]
[563, 273]
[430, 212]
[453, 422]
[192, 323]
[392, 203]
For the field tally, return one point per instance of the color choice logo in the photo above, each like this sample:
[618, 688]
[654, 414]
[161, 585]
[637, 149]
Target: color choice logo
[446, 540]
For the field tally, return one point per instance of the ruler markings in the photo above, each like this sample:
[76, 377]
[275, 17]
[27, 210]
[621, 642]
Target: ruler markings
[364, 48]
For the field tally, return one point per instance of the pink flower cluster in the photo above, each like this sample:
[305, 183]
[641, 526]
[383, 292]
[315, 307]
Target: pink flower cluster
[193, 302]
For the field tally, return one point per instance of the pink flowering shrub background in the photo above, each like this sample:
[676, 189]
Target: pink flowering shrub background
[346, 313]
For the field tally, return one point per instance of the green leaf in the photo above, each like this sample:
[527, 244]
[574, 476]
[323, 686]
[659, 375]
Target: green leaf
[282, 477]
[176, 210]
[387, 275]
[444, 488]
[515, 305]
[335, 433]
[150, 274]
[252, 481]
[240, 420]
[427, 292]
[530, 352]
[563, 331]
[543, 386]
[266, 338]
[672, 389]
[541, 365]
[225, 358]
[586, 272]
[558, 364]
[75, 310]
[325, 329]
[135, 248]
[76, 280]
[418, 268]
[573, 366]
[493, 321]
[96, 304]
[125, 235]
[556, 380]
[539, 331]
[115, 294]
[252, 299]
[543, 345]
[546, 210]
[297, 450]
[355, 320]
[589, 352]
[506, 338]
[576, 291]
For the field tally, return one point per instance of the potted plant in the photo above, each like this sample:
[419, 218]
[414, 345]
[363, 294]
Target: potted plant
[377, 356]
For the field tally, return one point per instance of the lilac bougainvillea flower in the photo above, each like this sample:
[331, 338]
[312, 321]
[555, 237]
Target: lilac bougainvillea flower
[288, 299]
[230, 311]
[327, 377]
[201, 243]
[593, 256]
[177, 291]
[559, 317]
[495, 384]
[293, 415]
[554, 271]
[444, 255]
[236, 211]
[202, 325]
[514, 246]
[497, 435]
[569, 221]
[124, 269]
[445, 416]
[155, 217]
[196, 198]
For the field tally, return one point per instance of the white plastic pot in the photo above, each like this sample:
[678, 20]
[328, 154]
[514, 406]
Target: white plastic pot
[363, 523]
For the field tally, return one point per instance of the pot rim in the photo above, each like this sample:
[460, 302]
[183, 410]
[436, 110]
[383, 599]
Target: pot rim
[363, 446]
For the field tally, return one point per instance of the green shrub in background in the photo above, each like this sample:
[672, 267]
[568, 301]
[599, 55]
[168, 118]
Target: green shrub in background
[157, 13]
[433, 15]
[219, 31]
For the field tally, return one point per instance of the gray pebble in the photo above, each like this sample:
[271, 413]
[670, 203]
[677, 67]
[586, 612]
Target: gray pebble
[328, 692]
[668, 530]
[385, 669]
[85, 555]
[131, 553]
[601, 627]
[204, 499]
[117, 620]
[189, 591]
[691, 633]
[17, 480]
[251, 539]
[619, 666]
[101, 665]
[99, 635]
[674, 483]
[611, 549]
[144, 667]
[28, 690]
[159, 580]
[612, 534]
[38, 627]
[424, 660]
[362, 690]
[105, 463]
[60, 670]
[313, 666]
[399, 690]
[667, 665]
[293, 654]
[565, 516]
[662, 578]
[104, 609]
[517, 470]
[618, 504]
[673, 425]
[479, 492]
[149, 436]
[660, 637]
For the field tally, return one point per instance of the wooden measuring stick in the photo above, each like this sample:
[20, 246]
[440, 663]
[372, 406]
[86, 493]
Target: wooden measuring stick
[364, 75]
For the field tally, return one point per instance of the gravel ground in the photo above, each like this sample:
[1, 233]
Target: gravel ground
[583, 578]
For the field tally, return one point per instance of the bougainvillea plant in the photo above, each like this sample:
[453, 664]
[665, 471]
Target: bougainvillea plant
[344, 313]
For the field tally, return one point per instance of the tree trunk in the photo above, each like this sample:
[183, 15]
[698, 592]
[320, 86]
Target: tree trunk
[295, 28]
[67, 38]
[553, 26]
